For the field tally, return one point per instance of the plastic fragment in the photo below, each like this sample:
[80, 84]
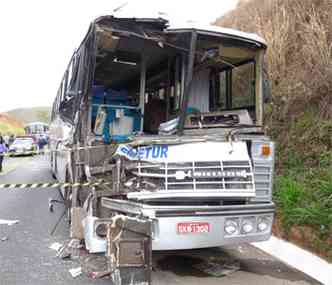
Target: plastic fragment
[8, 222]
[75, 271]
[55, 246]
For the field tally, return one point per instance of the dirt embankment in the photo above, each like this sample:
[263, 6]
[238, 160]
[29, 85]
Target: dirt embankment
[299, 119]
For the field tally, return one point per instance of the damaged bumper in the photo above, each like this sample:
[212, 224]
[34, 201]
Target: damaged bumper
[188, 227]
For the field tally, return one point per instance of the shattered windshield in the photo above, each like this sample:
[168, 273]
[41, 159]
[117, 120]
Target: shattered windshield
[222, 89]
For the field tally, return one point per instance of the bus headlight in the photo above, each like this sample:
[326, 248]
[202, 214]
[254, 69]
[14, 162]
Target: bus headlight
[248, 225]
[232, 227]
[263, 224]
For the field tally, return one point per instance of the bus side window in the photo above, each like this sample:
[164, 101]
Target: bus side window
[69, 84]
[57, 102]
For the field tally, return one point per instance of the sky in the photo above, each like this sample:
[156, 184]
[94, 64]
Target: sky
[38, 38]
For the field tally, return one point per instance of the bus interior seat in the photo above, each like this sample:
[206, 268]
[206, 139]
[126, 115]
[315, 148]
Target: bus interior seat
[121, 121]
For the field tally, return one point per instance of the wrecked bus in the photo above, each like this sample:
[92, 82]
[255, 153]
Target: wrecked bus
[168, 124]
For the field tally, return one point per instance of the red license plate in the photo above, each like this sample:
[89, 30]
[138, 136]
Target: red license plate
[193, 228]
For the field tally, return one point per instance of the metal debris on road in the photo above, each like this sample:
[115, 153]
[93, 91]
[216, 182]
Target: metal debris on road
[99, 274]
[8, 222]
[95, 266]
[4, 239]
[70, 250]
[75, 271]
[240, 249]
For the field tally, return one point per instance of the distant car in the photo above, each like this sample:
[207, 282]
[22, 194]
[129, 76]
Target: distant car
[23, 146]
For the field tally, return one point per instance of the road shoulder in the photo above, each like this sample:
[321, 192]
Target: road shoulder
[298, 258]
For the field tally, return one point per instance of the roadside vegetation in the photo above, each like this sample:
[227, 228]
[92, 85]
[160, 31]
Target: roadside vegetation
[13, 121]
[299, 118]
[9, 125]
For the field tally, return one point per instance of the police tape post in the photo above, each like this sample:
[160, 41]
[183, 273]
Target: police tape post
[52, 184]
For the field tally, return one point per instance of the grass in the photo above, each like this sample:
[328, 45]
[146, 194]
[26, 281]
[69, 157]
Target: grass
[303, 195]
[303, 186]
[306, 199]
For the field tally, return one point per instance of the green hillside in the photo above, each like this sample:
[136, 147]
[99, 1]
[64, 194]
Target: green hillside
[299, 119]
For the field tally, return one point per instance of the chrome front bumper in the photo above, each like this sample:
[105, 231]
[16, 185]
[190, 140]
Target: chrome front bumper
[166, 218]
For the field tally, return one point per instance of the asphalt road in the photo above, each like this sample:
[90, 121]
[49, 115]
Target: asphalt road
[25, 257]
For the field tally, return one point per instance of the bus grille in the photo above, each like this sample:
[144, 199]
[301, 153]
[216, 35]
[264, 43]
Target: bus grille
[222, 176]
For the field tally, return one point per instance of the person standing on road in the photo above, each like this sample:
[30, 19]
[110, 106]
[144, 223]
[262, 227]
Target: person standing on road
[6, 139]
[3, 149]
[11, 139]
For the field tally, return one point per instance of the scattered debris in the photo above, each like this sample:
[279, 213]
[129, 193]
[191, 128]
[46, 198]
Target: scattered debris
[95, 266]
[217, 269]
[75, 243]
[63, 252]
[240, 249]
[70, 250]
[8, 222]
[56, 246]
[99, 274]
[75, 271]
[4, 238]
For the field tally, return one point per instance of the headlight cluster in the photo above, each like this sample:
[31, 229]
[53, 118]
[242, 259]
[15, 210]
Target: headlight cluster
[247, 225]
[232, 227]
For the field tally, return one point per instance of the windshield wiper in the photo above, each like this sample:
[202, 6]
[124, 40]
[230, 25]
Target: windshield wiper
[238, 128]
[243, 126]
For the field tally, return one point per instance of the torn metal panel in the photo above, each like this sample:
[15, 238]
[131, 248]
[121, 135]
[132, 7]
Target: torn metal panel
[129, 250]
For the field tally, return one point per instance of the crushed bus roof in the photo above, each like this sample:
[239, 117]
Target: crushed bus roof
[216, 30]
[163, 25]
